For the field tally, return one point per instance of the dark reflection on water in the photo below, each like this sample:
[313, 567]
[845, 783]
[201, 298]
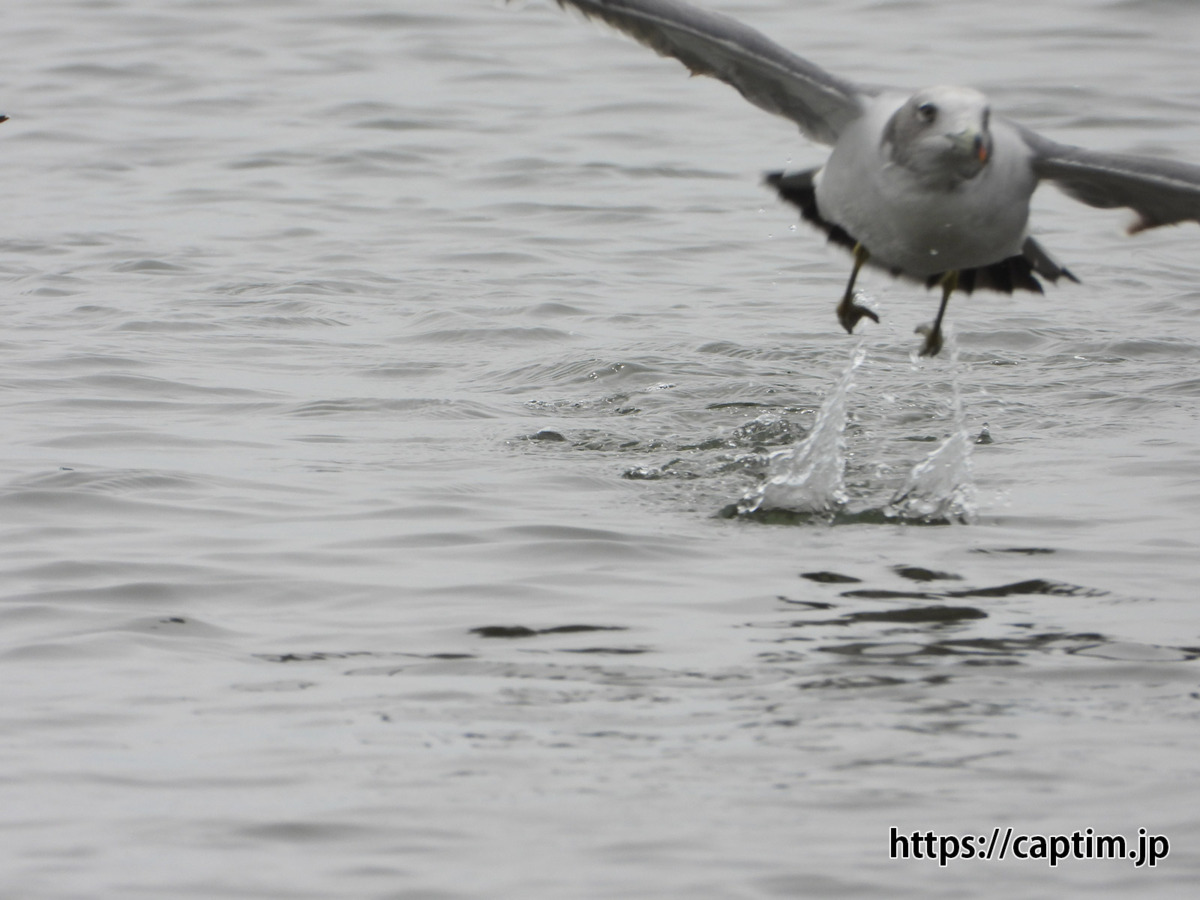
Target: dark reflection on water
[921, 614]
[920, 573]
[883, 515]
[521, 631]
[1032, 586]
[830, 578]
[885, 594]
[900, 651]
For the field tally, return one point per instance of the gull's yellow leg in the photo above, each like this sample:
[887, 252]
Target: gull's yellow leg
[849, 312]
[933, 333]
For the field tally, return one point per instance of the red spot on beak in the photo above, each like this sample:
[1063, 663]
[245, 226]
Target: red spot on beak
[981, 148]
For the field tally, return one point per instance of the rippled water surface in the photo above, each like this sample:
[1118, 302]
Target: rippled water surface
[377, 380]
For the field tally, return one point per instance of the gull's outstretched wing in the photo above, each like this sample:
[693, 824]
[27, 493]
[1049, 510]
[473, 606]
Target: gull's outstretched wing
[763, 72]
[1160, 191]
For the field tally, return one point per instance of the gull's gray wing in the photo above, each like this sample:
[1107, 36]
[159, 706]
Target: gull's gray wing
[1160, 191]
[763, 72]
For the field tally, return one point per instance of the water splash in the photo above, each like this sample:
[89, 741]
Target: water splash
[809, 478]
[941, 487]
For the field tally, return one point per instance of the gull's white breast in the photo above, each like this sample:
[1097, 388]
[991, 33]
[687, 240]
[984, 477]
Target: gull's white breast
[917, 229]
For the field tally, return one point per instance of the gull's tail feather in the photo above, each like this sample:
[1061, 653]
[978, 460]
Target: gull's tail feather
[1016, 273]
[1043, 263]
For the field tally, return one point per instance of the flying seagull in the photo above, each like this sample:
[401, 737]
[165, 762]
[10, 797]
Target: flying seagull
[930, 185]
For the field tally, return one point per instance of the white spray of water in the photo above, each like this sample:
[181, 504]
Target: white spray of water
[941, 486]
[808, 478]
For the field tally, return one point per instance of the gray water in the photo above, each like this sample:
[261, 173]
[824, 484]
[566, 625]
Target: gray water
[375, 376]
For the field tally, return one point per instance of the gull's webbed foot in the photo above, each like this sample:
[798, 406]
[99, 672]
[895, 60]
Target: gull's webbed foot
[933, 339]
[849, 313]
[933, 331]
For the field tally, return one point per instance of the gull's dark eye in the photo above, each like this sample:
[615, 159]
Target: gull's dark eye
[927, 112]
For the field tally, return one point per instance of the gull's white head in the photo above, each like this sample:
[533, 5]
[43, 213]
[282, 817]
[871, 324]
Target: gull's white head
[941, 134]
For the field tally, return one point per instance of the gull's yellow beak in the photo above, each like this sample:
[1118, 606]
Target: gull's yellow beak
[976, 144]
